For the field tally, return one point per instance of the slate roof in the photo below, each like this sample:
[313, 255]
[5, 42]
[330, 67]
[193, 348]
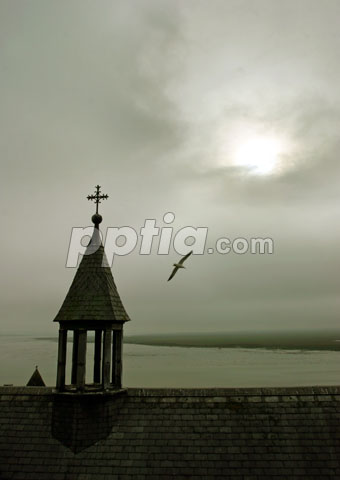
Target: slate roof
[93, 293]
[139, 434]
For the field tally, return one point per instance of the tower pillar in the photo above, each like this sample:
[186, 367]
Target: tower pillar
[81, 359]
[106, 358]
[62, 346]
[74, 357]
[117, 351]
[97, 355]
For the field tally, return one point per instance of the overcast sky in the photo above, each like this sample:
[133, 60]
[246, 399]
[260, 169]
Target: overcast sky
[172, 106]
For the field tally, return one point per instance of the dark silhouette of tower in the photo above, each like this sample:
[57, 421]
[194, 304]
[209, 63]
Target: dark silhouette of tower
[92, 304]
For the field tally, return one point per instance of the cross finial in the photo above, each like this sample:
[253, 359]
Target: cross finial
[97, 197]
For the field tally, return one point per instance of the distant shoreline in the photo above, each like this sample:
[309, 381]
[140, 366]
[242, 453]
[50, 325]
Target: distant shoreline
[288, 340]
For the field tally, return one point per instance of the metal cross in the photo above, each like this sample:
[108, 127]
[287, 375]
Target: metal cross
[97, 197]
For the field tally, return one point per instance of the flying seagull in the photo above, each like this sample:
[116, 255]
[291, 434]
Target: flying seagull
[179, 265]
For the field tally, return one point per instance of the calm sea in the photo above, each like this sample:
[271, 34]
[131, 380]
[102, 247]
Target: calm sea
[161, 366]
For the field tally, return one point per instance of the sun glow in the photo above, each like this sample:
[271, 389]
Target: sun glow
[260, 155]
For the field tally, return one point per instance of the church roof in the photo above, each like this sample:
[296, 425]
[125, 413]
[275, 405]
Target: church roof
[202, 434]
[93, 294]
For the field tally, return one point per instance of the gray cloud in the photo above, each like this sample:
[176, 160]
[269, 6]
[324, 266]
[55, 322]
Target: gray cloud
[137, 97]
[312, 172]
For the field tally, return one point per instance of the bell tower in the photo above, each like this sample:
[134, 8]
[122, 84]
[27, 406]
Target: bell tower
[92, 304]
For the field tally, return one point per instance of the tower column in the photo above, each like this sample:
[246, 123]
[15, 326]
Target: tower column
[62, 345]
[106, 358]
[81, 359]
[97, 355]
[117, 351]
[74, 357]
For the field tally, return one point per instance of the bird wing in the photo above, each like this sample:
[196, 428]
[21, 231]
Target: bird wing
[184, 258]
[173, 273]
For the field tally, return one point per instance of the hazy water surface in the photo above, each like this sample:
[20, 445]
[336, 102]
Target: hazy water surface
[163, 366]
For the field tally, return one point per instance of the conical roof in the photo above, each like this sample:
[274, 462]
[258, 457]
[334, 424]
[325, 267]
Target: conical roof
[36, 379]
[93, 293]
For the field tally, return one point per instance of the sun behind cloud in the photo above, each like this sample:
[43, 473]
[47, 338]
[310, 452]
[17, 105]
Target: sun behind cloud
[259, 154]
[254, 151]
